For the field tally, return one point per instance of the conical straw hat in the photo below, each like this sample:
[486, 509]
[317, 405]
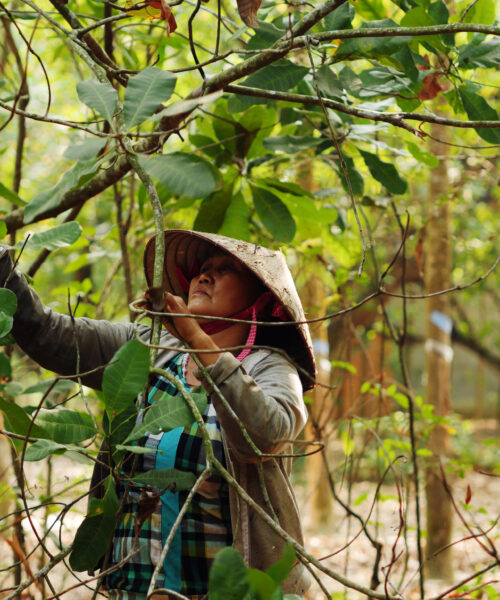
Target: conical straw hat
[185, 248]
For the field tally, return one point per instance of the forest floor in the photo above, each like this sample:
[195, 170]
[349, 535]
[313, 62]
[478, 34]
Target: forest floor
[327, 533]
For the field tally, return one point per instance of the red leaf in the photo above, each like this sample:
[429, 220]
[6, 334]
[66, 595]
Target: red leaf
[468, 495]
[168, 15]
[248, 12]
[431, 87]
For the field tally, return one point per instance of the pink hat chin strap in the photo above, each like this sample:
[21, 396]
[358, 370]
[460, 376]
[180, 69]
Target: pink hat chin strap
[253, 310]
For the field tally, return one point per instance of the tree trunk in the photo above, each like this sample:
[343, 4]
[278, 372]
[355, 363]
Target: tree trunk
[438, 357]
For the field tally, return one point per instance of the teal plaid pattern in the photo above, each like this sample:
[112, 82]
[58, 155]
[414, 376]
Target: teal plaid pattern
[147, 516]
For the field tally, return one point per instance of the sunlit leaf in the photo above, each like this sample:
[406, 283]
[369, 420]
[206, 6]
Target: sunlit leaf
[478, 109]
[167, 413]
[43, 448]
[145, 92]
[19, 421]
[212, 211]
[280, 570]
[101, 97]
[11, 196]
[85, 150]
[182, 173]
[57, 237]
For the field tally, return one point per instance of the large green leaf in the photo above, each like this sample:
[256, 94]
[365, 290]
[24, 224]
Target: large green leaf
[227, 579]
[10, 196]
[108, 504]
[479, 53]
[8, 302]
[291, 143]
[64, 385]
[236, 219]
[212, 211]
[264, 586]
[340, 18]
[145, 92]
[125, 377]
[328, 82]
[19, 421]
[372, 47]
[66, 426]
[281, 76]
[274, 214]
[91, 541]
[167, 413]
[382, 81]
[85, 150]
[264, 36]
[56, 237]
[171, 479]
[43, 448]
[385, 173]
[101, 97]
[280, 570]
[482, 11]
[52, 198]
[355, 178]
[181, 173]
[478, 109]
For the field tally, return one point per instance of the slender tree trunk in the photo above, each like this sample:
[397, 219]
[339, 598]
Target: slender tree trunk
[437, 271]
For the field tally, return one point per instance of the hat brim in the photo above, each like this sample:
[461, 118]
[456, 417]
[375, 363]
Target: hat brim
[184, 248]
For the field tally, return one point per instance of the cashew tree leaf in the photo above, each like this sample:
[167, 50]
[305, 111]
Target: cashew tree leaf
[125, 376]
[385, 173]
[145, 92]
[101, 97]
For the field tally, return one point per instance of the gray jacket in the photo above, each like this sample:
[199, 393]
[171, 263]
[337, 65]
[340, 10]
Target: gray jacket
[264, 391]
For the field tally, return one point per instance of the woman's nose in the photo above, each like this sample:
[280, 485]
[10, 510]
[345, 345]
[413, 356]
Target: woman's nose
[207, 275]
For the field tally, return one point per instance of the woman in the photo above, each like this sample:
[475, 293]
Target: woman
[214, 276]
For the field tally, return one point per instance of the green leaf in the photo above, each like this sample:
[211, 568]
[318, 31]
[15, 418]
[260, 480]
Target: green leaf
[212, 211]
[481, 12]
[66, 426]
[291, 143]
[274, 214]
[328, 82]
[167, 413]
[289, 187]
[40, 388]
[385, 173]
[8, 302]
[372, 47]
[125, 377]
[119, 427]
[5, 367]
[43, 448]
[382, 81]
[11, 196]
[264, 36]
[162, 479]
[355, 178]
[19, 421]
[3, 229]
[262, 584]
[101, 97]
[145, 92]
[280, 570]
[135, 449]
[181, 173]
[280, 76]
[340, 18]
[478, 109]
[341, 364]
[57, 237]
[109, 504]
[479, 54]
[91, 541]
[236, 219]
[422, 156]
[52, 198]
[85, 150]
[227, 579]
[420, 17]
[6, 322]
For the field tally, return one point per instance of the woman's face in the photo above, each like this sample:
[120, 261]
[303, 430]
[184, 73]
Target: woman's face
[223, 288]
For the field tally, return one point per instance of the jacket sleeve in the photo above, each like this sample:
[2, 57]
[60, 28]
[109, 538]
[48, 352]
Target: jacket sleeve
[268, 403]
[54, 340]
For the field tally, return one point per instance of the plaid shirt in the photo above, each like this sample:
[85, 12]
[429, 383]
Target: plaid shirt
[204, 529]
